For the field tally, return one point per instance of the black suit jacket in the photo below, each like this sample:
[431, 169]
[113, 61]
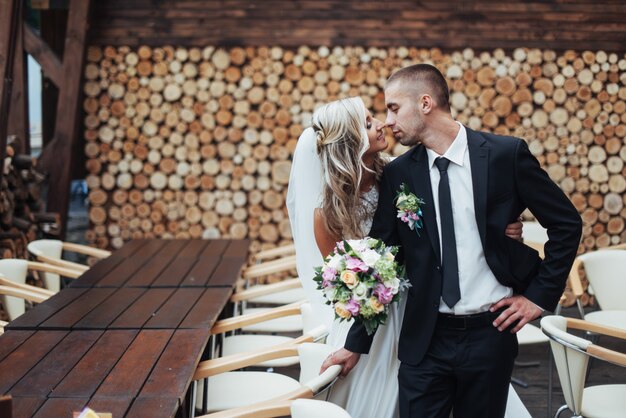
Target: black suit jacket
[506, 180]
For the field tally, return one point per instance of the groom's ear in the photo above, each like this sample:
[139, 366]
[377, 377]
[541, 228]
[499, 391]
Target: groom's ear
[426, 103]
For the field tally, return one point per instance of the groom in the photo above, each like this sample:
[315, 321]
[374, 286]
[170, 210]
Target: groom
[472, 288]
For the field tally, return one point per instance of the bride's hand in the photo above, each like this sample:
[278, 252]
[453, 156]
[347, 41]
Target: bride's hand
[345, 358]
[514, 230]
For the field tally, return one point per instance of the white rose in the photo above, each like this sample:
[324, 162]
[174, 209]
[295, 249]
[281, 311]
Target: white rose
[360, 291]
[330, 293]
[357, 244]
[393, 284]
[370, 257]
[335, 262]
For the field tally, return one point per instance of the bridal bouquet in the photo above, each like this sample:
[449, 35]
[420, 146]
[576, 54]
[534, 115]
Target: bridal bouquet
[361, 279]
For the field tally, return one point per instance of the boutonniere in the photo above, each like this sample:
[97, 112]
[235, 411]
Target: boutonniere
[409, 208]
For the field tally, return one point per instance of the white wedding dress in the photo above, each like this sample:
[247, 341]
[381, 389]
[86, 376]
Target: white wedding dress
[371, 388]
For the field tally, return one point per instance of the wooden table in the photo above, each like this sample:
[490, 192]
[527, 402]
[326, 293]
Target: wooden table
[126, 336]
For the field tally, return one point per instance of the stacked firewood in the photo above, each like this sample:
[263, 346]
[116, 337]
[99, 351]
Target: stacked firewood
[22, 218]
[197, 142]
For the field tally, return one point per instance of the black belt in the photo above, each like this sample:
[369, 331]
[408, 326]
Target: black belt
[462, 322]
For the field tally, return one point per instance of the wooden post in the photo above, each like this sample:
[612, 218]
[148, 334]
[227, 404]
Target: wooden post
[8, 28]
[57, 157]
[18, 113]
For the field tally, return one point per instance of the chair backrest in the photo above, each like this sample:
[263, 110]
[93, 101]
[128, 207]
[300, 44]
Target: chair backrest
[312, 355]
[310, 408]
[606, 272]
[16, 271]
[570, 357]
[533, 231]
[535, 236]
[49, 248]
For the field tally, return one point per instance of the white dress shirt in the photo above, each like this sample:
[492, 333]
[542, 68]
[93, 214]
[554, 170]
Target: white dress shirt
[479, 287]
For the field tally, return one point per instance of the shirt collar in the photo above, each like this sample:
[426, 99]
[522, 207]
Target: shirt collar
[456, 151]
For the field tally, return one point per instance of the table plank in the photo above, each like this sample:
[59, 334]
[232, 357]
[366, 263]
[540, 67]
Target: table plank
[12, 339]
[19, 362]
[43, 311]
[175, 273]
[130, 248]
[97, 272]
[227, 272]
[150, 248]
[123, 272]
[92, 369]
[77, 309]
[172, 374]
[60, 407]
[136, 316]
[201, 272]
[238, 248]
[44, 376]
[154, 407]
[106, 312]
[194, 248]
[26, 406]
[117, 407]
[208, 308]
[151, 270]
[215, 248]
[174, 310]
[131, 371]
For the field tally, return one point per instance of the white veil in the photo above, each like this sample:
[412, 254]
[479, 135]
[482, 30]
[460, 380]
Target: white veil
[304, 194]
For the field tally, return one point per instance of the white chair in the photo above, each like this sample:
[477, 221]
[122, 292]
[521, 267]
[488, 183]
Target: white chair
[298, 408]
[13, 298]
[572, 355]
[230, 345]
[280, 293]
[534, 235]
[51, 251]
[228, 389]
[606, 272]
[16, 271]
[282, 251]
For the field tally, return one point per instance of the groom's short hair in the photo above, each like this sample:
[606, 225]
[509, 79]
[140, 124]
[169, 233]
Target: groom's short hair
[425, 78]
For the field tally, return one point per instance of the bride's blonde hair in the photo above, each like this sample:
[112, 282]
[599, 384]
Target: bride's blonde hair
[341, 143]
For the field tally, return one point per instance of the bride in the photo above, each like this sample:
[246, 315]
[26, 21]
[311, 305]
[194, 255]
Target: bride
[332, 195]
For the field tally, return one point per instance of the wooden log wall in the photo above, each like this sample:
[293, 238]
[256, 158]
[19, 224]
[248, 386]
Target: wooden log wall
[21, 207]
[197, 142]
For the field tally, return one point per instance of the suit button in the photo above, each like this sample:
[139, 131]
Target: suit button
[438, 268]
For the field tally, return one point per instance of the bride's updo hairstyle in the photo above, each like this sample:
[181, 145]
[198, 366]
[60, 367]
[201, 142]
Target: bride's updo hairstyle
[341, 143]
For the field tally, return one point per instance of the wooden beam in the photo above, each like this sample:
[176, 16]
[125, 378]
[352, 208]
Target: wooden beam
[18, 113]
[57, 157]
[8, 27]
[43, 54]
[48, 4]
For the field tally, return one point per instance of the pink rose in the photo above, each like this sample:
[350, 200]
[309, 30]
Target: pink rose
[353, 307]
[328, 275]
[355, 264]
[384, 294]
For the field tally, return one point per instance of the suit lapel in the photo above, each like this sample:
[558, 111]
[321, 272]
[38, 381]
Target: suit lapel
[420, 177]
[479, 160]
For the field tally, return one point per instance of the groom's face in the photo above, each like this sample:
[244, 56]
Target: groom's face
[403, 116]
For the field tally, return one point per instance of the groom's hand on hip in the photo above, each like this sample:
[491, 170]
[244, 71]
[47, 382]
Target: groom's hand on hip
[345, 358]
[516, 309]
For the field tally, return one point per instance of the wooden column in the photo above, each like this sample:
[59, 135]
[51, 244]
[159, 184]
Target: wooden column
[18, 113]
[57, 157]
[8, 27]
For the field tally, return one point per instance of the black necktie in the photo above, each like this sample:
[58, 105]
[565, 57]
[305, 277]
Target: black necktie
[450, 292]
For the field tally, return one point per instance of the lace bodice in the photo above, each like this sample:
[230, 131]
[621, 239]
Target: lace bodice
[369, 202]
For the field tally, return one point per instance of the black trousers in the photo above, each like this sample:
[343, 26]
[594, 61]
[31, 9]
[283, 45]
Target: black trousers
[466, 371]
